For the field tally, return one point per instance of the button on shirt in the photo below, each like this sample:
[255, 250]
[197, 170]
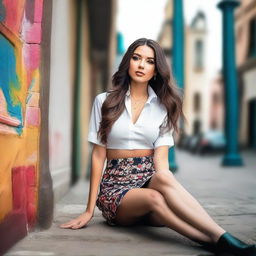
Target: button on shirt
[148, 132]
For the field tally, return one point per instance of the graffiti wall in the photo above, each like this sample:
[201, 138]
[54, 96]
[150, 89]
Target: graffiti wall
[20, 44]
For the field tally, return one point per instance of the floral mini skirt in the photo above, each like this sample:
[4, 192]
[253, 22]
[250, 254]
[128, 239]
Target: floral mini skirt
[119, 176]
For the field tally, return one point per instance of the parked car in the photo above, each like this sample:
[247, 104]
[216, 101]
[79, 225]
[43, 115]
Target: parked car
[194, 143]
[212, 141]
[184, 142]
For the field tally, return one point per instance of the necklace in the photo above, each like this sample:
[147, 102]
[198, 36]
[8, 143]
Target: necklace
[138, 100]
[137, 103]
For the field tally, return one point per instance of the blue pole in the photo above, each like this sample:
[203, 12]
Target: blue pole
[178, 43]
[120, 44]
[231, 157]
[177, 60]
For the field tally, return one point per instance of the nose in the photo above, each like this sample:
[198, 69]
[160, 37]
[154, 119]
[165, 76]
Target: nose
[142, 63]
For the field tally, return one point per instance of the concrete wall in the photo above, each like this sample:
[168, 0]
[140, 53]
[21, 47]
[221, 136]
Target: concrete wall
[61, 94]
[86, 93]
[81, 57]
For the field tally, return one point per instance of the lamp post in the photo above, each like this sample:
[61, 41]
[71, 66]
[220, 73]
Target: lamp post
[177, 60]
[231, 157]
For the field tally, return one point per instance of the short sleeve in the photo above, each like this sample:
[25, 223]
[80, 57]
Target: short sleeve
[95, 120]
[165, 137]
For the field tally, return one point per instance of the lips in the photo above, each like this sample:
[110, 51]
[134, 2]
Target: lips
[138, 73]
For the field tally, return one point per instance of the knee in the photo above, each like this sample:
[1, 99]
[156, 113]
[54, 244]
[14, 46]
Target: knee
[155, 199]
[165, 178]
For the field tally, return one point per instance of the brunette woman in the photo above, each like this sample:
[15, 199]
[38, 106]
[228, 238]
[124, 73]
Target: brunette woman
[131, 127]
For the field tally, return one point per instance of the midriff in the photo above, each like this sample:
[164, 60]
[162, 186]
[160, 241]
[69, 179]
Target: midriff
[124, 153]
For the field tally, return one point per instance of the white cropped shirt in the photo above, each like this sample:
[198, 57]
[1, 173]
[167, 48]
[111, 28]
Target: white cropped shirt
[148, 132]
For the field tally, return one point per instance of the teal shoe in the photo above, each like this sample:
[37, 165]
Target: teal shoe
[230, 244]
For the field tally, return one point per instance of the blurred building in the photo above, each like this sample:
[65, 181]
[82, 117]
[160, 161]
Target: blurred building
[216, 102]
[197, 84]
[245, 19]
[165, 35]
[197, 93]
[55, 56]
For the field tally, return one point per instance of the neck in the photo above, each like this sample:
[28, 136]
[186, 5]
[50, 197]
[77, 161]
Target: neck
[139, 90]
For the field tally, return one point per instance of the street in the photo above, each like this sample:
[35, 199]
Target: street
[228, 194]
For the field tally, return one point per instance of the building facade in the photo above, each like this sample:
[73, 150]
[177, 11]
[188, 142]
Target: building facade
[245, 25]
[55, 56]
[197, 81]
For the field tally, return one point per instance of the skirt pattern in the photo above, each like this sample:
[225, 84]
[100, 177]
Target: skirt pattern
[119, 176]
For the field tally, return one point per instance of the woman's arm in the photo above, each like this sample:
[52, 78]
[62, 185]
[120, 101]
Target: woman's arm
[98, 159]
[161, 158]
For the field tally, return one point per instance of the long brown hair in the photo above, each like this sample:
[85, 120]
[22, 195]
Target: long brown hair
[163, 84]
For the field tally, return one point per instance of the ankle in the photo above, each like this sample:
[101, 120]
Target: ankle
[216, 237]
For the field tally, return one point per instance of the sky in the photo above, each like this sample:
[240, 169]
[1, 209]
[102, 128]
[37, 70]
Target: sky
[139, 18]
[143, 18]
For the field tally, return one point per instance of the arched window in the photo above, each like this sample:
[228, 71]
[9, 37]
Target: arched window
[198, 54]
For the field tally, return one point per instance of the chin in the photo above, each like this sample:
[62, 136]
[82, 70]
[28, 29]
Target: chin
[139, 80]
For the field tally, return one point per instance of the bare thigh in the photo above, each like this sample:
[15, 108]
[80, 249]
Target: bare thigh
[136, 205]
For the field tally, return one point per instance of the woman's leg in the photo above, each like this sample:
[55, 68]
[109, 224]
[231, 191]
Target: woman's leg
[141, 201]
[184, 205]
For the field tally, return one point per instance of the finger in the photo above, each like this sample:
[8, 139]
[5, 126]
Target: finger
[75, 226]
[64, 226]
[68, 224]
[79, 225]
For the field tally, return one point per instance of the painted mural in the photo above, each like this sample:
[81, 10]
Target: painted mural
[20, 45]
[10, 104]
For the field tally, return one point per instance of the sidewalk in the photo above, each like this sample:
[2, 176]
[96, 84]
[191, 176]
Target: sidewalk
[228, 194]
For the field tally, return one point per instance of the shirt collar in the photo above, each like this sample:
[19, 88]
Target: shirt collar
[151, 93]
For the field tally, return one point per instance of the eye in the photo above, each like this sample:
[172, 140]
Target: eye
[134, 57]
[151, 61]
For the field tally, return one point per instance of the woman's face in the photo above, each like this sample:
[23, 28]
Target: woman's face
[142, 64]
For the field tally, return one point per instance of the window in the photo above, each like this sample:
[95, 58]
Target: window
[197, 102]
[199, 54]
[216, 98]
[252, 39]
[196, 127]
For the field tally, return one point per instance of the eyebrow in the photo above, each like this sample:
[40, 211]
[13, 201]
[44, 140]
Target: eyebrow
[140, 56]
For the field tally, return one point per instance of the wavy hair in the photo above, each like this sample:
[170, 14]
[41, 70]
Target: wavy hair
[163, 85]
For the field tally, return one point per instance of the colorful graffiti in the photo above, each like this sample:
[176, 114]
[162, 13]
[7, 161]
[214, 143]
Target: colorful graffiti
[9, 85]
[20, 57]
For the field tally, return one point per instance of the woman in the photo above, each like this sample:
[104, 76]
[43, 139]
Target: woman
[132, 127]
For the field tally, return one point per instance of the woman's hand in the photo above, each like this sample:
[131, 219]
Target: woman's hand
[79, 222]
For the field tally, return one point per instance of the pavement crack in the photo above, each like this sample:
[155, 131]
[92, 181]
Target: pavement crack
[237, 214]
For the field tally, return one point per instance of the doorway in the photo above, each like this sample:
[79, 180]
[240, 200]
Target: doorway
[252, 124]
